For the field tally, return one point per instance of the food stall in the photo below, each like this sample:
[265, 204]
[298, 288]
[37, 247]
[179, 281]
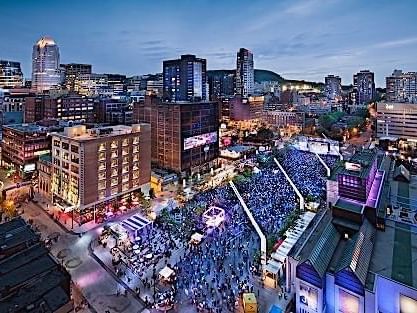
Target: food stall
[250, 304]
[196, 238]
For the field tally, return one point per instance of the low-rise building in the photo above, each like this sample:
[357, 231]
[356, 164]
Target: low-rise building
[44, 168]
[95, 169]
[22, 144]
[30, 279]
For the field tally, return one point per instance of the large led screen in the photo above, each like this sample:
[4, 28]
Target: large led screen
[200, 140]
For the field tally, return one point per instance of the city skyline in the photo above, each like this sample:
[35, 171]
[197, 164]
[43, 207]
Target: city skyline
[287, 38]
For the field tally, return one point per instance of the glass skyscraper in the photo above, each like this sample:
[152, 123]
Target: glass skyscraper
[245, 73]
[185, 79]
[46, 73]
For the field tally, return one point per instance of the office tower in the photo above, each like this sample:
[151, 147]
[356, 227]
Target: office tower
[71, 107]
[185, 79]
[221, 84]
[397, 120]
[117, 83]
[245, 76]
[46, 73]
[10, 74]
[97, 167]
[184, 135]
[93, 85]
[364, 85]
[402, 87]
[72, 71]
[333, 87]
[113, 111]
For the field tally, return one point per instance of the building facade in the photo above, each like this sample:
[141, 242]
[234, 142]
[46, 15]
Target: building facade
[44, 168]
[71, 73]
[364, 87]
[46, 73]
[245, 73]
[244, 109]
[22, 144]
[114, 111]
[333, 87]
[398, 120]
[10, 74]
[185, 79]
[402, 87]
[184, 135]
[93, 85]
[96, 168]
[12, 104]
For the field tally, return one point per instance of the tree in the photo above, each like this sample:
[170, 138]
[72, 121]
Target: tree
[9, 208]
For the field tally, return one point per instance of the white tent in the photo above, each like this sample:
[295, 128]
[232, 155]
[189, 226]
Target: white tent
[196, 238]
[166, 272]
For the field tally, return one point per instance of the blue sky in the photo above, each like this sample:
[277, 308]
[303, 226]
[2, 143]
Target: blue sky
[299, 39]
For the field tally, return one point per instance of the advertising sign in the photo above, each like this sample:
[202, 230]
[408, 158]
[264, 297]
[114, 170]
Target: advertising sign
[200, 140]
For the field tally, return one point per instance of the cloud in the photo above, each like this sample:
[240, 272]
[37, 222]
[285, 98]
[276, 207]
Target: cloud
[396, 43]
[307, 7]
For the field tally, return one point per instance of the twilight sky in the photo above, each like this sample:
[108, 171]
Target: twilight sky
[299, 39]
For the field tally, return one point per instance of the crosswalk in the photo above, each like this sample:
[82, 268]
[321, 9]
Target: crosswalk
[136, 223]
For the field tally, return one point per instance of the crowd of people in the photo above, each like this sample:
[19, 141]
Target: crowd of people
[213, 273]
[306, 170]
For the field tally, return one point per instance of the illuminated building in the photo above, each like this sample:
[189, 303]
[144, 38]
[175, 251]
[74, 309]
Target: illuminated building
[245, 74]
[397, 121]
[44, 168]
[244, 109]
[290, 122]
[10, 74]
[221, 84]
[46, 73]
[113, 111]
[70, 107]
[184, 134]
[333, 87]
[22, 144]
[185, 79]
[93, 85]
[354, 258]
[12, 104]
[402, 87]
[72, 71]
[97, 167]
[364, 86]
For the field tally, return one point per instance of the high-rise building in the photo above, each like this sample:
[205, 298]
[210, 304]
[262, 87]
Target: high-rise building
[402, 87]
[98, 167]
[245, 73]
[46, 73]
[364, 85]
[184, 135]
[185, 79]
[333, 87]
[221, 84]
[10, 74]
[72, 71]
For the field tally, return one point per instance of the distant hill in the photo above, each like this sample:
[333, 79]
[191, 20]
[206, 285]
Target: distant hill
[260, 75]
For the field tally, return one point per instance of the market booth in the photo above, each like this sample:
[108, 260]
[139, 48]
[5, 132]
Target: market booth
[167, 275]
[250, 304]
[196, 238]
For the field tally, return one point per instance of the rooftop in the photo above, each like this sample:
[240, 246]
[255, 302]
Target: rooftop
[27, 128]
[349, 205]
[365, 159]
[81, 133]
[395, 254]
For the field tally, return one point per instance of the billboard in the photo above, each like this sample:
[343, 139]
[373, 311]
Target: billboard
[200, 140]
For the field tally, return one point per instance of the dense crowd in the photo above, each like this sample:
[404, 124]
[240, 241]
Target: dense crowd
[212, 274]
[306, 171]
